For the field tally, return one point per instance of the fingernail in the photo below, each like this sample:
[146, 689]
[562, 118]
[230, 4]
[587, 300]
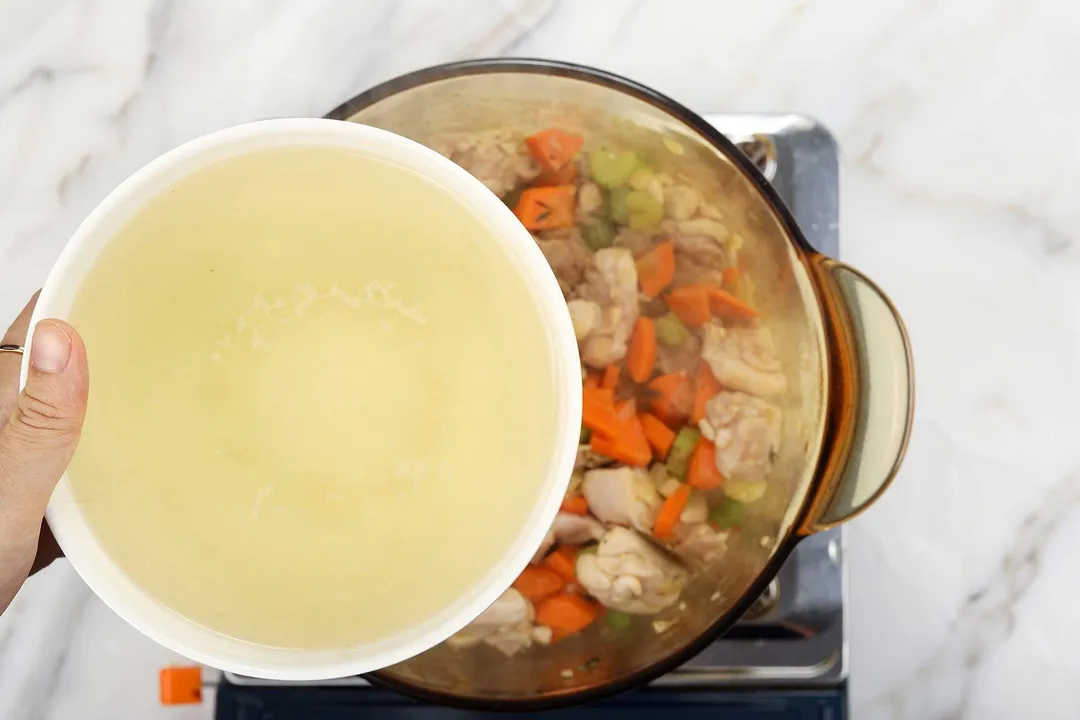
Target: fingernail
[50, 349]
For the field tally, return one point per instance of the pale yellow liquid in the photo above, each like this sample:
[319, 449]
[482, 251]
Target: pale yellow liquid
[320, 403]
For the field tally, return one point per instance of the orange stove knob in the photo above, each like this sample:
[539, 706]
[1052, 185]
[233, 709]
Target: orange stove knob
[180, 685]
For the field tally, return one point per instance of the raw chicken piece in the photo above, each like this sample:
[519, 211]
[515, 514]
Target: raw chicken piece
[627, 573]
[612, 285]
[746, 432]
[567, 255]
[699, 256]
[570, 529]
[704, 227]
[585, 315]
[623, 496]
[689, 271]
[506, 625]
[589, 198]
[493, 158]
[744, 359]
[698, 544]
[681, 201]
[696, 509]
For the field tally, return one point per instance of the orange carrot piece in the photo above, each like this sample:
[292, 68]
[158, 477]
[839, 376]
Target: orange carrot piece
[630, 445]
[730, 275]
[656, 269]
[592, 380]
[553, 148]
[537, 583]
[575, 504]
[725, 305]
[660, 436]
[622, 449]
[562, 561]
[668, 516]
[565, 175]
[629, 452]
[703, 474]
[598, 413]
[672, 398]
[704, 389]
[566, 614]
[611, 377]
[690, 304]
[546, 208]
[641, 357]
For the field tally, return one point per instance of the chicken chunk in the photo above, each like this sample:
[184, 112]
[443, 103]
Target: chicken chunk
[569, 529]
[568, 256]
[744, 359]
[746, 432]
[699, 256]
[612, 285]
[506, 625]
[681, 201]
[698, 544]
[585, 315]
[623, 496]
[493, 158]
[589, 199]
[627, 573]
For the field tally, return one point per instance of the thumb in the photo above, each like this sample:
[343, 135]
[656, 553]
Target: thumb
[40, 436]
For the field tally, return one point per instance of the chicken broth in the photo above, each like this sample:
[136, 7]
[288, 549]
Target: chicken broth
[318, 416]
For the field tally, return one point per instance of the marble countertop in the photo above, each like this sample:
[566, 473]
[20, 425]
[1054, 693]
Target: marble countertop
[958, 121]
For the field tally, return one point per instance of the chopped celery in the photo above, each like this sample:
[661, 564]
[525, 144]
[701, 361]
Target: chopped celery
[585, 435]
[678, 459]
[598, 233]
[610, 169]
[617, 209]
[745, 491]
[670, 330]
[643, 210]
[617, 620]
[727, 514]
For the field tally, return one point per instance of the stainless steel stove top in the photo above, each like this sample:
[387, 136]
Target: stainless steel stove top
[794, 635]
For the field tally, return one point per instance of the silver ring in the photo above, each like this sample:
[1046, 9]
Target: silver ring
[17, 349]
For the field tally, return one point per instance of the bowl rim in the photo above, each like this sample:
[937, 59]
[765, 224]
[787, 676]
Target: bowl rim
[612, 81]
[187, 637]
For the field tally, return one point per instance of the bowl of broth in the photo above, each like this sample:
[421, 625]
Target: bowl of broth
[335, 399]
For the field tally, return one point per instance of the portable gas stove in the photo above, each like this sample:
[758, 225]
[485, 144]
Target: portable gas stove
[788, 657]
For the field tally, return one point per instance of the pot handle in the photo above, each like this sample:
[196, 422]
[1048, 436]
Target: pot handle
[872, 395]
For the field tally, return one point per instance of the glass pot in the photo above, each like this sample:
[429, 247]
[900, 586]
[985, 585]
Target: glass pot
[847, 410]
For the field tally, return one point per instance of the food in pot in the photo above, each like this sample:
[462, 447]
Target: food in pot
[681, 421]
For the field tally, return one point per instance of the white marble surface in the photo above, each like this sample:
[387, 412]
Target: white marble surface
[961, 170]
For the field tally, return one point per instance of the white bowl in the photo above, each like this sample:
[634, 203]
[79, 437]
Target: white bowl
[206, 646]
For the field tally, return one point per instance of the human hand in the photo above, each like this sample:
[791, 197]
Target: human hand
[39, 430]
